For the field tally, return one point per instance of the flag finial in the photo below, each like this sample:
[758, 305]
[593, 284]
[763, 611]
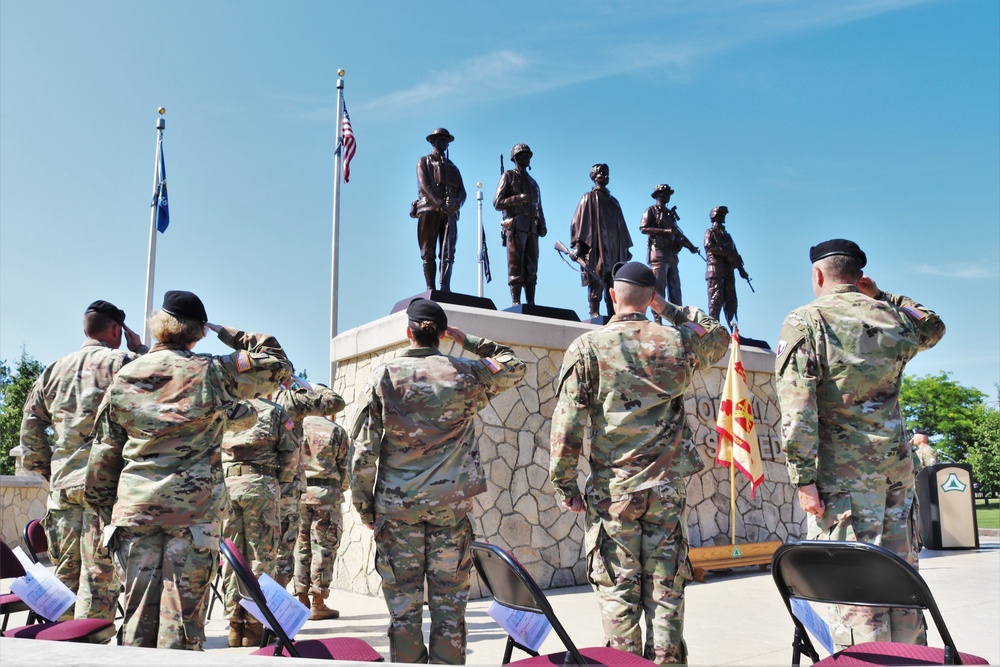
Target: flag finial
[340, 72]
[161, 111]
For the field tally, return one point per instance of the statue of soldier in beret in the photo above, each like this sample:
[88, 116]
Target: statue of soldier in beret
[520, 201]
[441, 195]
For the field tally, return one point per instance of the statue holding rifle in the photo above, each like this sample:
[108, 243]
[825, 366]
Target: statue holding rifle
[723, 260]
[666, 239]
[441, 195]
[520, 200]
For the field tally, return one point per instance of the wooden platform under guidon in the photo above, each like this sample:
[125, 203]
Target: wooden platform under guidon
[722, 557]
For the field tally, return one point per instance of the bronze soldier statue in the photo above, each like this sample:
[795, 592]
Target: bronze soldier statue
[520, 200]
[598, 235]
[442, 194]
[665, 240]
[723, 259]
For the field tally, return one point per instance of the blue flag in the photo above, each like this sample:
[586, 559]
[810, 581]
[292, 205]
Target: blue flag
[160, 195]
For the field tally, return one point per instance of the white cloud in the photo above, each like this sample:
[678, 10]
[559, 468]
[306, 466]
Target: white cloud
[959, 270]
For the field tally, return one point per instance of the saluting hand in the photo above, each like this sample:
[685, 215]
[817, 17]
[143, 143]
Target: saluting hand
[132, 340]
[455, 334]
[867, 286]
[213, 327]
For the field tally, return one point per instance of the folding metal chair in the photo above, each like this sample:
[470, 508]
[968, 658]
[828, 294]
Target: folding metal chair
[86, 630]
[513, 587]
[331, 648]
[856, 573]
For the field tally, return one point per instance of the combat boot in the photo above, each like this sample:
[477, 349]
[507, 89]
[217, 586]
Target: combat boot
[320, 611]
[529, 294]
[235, 633]
[303, 598]
[252, 632]
[430, 269]
[515, 295]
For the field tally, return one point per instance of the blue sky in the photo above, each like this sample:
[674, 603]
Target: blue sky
[874, 120]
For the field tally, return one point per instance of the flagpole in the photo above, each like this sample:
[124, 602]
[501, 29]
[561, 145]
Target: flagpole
[338, 163]
[479, 254]
[732, 468]
[151, 259]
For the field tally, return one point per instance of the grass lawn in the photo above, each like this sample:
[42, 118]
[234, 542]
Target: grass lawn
[988, 516]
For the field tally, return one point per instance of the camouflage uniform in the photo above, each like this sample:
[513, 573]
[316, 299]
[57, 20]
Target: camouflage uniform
[926, 456]
[628, 379]
[157, 460]
[415, 421]
[255, 461]
[324, 450]
[299, 403]
[839, 367]
[65, 398]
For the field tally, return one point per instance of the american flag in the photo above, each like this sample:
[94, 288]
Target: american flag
[349, 144]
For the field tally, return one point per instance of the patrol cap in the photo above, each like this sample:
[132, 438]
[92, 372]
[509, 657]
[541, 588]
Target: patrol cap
[838, 247]
[662, 187]
[636, 273]
[109, 309]
[185, 305]
[425, 310]
[440, 132]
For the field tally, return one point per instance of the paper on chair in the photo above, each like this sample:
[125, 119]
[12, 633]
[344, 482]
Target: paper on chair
[288, 611]
[812, 621]
[43, 592]
[527, 628]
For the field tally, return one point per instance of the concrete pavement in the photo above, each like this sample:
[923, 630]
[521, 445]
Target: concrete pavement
[734, 618]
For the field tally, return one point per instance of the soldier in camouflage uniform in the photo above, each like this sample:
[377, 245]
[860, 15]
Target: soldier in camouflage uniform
[926, 456]
[299, 402]
[414, 471]
[65, 398]
[628, 380]
[157, 461]
[255, 461]
[839, 367]
[325, 446]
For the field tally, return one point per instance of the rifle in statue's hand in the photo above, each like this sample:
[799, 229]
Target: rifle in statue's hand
[594, 278]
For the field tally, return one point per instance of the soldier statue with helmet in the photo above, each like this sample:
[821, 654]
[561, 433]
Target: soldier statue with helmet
[520, 201]
[441, 195]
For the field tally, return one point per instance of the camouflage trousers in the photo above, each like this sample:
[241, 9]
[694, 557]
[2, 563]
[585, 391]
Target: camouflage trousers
[167, 571]
[288, 532]
[637, 557]
[253, 527]
[406, 554]
[316, 548]
[884, 518]
[81, 562]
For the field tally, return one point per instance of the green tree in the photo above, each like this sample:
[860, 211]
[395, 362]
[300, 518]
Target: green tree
[984, 454]
[943, 407]
[14, 389]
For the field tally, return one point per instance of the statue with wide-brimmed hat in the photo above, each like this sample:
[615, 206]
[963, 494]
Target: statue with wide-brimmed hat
[441, 194]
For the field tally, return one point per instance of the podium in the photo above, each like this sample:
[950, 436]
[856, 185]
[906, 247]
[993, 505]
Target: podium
[947, 507]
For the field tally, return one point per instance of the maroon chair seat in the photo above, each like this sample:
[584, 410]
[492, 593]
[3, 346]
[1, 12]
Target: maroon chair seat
[891, 653]
[600, 655]
[86, 630]
[332, 648]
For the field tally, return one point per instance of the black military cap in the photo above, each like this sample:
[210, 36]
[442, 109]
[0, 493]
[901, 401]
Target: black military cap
[183, 304]
[837, 247]
[425, 310]
[109, 309]
[440, 132]
[636, 273]
[920, 431]
[662, 187]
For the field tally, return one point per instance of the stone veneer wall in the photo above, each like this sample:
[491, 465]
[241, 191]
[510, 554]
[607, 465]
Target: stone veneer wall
[519, 511]
[23, 497]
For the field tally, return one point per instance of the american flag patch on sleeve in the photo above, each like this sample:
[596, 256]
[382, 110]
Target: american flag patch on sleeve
[289, 425]
[695, 327]
[916, 314]
[242, 360]
[492, 365]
